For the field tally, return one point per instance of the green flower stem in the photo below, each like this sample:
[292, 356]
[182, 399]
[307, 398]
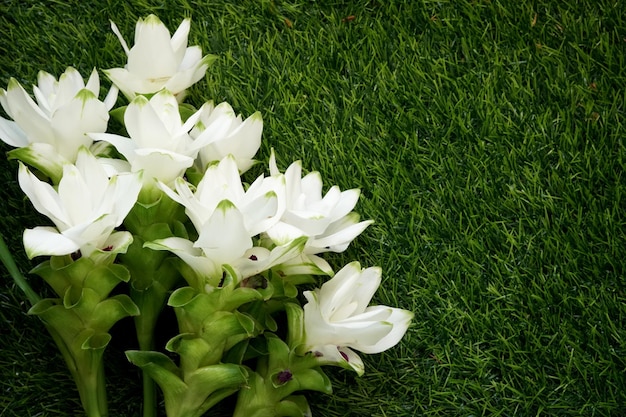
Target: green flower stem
[153, 274]
[18, 278]
[150, 302]
[79, 320]
[85, 366]
[92, 386]
[89, 378]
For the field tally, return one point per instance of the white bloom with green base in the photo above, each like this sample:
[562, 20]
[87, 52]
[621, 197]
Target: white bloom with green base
[337, 318]
[86, 208]
[54, 127]
[228, 134]
[157, 61]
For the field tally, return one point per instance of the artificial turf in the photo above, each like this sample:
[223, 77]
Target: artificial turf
[487, 140]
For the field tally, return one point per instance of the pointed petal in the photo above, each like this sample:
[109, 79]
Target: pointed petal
[337, 241]
[185, 250]
[12, 134]
[111, 97]
[42, 156]
[223, 237]
[117, 32]
[81, 115]
[144, 125]
[124, 145]
[75, 194]
[46, 87]
[93, 83]
[25, 112]
[43, 197]
[47, 241]
[165, 166]
[272, 164]
[400, 320]
[151, 56]
[179, 39]
[306, 264]
[282, 233]
[260, 214]
[165, 107]
[70, 83]
[346, 203]
[127, 188]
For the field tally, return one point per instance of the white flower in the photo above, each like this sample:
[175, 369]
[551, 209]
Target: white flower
[337, 318]
[157, 61]
[222, 239]
[85, 209]
[56, 125]
[260, 205]
[226, 218]
[159, 142]
[227, 134]
[328, 221]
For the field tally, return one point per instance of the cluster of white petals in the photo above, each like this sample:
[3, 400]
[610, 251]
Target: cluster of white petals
[225, 133]
[159, 142]
[85, 209]
[159, 61]
[285, 208]
[57, 123]
[226, 218]
[328, 221]
[337, 318]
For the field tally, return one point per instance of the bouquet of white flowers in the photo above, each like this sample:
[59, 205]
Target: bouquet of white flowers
[161, 215]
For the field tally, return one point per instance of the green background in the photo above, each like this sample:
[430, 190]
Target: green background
[487, 140]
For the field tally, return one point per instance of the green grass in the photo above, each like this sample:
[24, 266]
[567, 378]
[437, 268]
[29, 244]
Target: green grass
[487, 140]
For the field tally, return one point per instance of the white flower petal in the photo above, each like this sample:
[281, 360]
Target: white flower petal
[43, 197]
[179, 40]
[145, 126]
[117, 33]
[124, 145]
[192, 256]
[151, 56]
[224, 238]
[12, 134]
[25, 112]
[336, 316]
[164, 166]
[47, 241]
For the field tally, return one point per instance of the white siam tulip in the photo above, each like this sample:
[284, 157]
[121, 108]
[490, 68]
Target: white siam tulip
[337, 318]
[56, 125]
[222, 239]
[261, 205]
[159, 142]
[86, 208]
[226, 218]
[328, 221]
[159, 61]
[227, 134]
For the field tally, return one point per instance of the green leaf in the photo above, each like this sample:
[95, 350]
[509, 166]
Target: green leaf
[295, 325]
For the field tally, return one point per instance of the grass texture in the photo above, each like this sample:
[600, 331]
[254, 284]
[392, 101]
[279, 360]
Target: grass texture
[487, 139]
